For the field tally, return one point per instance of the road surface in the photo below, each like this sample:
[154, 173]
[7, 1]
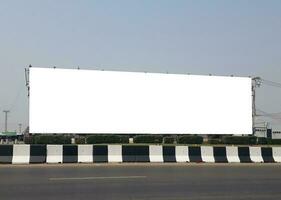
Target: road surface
[141, 181]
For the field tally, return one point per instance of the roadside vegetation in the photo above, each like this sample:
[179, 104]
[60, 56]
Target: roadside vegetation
[150, 139]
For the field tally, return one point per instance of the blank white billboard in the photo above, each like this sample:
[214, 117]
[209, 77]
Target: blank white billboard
[92, 101]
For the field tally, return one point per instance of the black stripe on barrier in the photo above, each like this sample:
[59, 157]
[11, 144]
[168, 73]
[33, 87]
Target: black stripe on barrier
[244, 154]
[220, 154]
[38, 153]
[135, 153]
[70, 154]
[100, 153]
[6, 154]
[169, 154]
[194, 154]
[267, 156]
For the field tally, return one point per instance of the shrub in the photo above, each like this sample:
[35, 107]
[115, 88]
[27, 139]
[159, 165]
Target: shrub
[169, 140]
[107, 139]
[274, 141]
[155, 139]
[80, 140]
[190, 139]
[214, 141]
[28, 139]
[261, 140]
[239, 140]
[51, 139]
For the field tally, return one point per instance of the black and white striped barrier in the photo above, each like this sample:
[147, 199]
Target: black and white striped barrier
[26, 154]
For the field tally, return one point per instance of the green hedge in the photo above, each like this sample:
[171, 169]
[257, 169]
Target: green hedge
[274, 141]
[80, 140]
[169, 140]
[190, 139]
[28, 140]
[51, 139]
[262, 140]
[239, 140]
[154, 139]
[107, 139]
[214, 141]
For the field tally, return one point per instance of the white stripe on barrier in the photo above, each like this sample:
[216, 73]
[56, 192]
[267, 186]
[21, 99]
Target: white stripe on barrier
[156, 153]
[54, 153]
[207, 154]
[276, 153]
[255, 154]
[182, 154]
[85, 153]
[115, 153]
[21, 154]
[232, 154]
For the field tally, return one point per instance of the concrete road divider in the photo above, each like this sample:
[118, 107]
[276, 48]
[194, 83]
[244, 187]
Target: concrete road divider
[85, 153]
[194, 154]
[6, 154]
[255, 154]
[207, 154]
[276, 152]
[169, 153]
[267, 155]
[244, 154]
[182, 154]
[100, 153]
[232, 154]
[21, 154]
[156, 153]
[54, 153]
[115, 153]
[25, 154]
[220, 155]
[138, 153]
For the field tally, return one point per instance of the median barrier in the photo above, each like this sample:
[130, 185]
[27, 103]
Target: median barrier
[70, 154]
[115, 153]
[255, 154]
[169, 153]
[156, 153]
[138, 153]
[85, 153]
[21, 154]
[100, 153]
[25, 154]
[232, 154]
[220, 154]
[54, 153]
[207, 154]
[38, 153]
[276, 152]
[244, 154]
[194, 154]
[267, 155]
[182, 154]
[6, 154]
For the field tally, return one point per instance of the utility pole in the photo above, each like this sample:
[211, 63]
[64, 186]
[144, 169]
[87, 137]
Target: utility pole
[256, 82]
[20, 125]
[6, 120]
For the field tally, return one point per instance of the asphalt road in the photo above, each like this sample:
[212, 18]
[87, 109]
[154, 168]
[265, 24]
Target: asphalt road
[141, 181]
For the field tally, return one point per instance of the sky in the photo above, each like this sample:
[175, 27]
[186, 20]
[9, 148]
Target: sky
[219, 37]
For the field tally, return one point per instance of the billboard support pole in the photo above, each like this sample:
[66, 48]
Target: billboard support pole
[26, 70]
[256, 82]
[6, 120]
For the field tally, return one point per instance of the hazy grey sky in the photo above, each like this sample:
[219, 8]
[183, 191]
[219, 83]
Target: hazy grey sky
[222, 37]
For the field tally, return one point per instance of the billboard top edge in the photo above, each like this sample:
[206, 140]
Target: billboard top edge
[138, 72]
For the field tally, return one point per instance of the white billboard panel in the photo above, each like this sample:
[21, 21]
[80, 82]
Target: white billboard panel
[91, 101]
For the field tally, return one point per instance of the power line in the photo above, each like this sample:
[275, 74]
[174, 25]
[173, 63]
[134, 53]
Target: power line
[271, 83]
[265, 114]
